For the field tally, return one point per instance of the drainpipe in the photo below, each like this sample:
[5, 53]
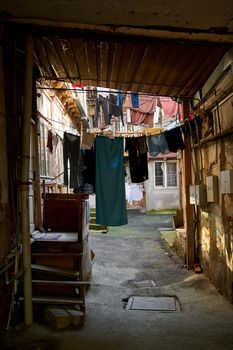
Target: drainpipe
[25, 182]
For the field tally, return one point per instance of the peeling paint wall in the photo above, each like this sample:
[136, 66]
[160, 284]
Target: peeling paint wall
[216, 219]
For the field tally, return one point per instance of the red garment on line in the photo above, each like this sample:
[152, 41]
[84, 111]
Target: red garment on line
[144, 114]
[169, 106]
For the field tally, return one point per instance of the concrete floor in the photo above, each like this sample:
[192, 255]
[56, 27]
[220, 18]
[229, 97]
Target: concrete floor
[123, 255]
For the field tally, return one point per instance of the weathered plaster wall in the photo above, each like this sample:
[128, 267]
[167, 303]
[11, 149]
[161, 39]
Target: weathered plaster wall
[216, 220]
[164, 198]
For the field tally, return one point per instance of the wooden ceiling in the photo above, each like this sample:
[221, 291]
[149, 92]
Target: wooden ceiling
[158, 47]
[176, 68]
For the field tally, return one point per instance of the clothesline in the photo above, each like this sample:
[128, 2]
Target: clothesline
[79, 90]
[129, 133]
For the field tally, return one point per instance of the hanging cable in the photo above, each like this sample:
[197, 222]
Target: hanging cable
[55, 121]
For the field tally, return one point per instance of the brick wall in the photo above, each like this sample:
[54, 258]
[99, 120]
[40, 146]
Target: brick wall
[179, 244]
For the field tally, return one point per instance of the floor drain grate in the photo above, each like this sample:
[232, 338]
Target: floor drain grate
[163, 304]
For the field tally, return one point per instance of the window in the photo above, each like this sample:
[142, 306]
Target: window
[171, 174]
[51, 164]
[166, 174]
[159, 174]
[45, 155]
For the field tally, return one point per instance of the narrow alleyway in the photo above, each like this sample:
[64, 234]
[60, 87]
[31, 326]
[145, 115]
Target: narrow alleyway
[124, 255]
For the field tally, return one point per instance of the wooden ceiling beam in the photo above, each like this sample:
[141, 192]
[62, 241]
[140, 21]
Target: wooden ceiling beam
[149, 32]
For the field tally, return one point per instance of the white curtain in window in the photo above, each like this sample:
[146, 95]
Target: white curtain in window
[171, 175]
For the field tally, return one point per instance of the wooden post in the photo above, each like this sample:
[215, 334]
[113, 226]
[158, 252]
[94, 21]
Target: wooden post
[25, 182]
[188, 209]
[4, 197]
[37, 190]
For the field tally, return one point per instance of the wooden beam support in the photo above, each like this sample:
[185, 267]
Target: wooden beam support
[28, 318]
[4, 198]
[62, 283]
[156, 33]
[188, 209]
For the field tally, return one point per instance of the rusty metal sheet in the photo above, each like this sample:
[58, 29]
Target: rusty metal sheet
[102, 62]
[165, 67]
[79, 48]
[91, 49]
[41, 56]
[67, 56]
[53, 58]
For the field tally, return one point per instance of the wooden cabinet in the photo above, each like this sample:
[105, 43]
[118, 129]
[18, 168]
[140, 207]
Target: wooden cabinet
[61, 256]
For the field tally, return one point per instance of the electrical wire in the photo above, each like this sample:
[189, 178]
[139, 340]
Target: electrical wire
[55, 121]
[80, 90]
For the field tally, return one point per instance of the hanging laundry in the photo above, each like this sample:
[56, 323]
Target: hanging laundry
[138, 162]
[89, 168]
[133, 193]
[152, 131]
[157, 144]
[170, 107]
[144, 114]
[119, 99]
[135, 99]
[87, 140]
[86, 171]
[55, 140]
[172, 125]
[193, 128]
[114, 109]
[174, 139]
[157, 115]
[71, 148]
[141, 144]
[102, 111]
[50, 141]
[110, 182]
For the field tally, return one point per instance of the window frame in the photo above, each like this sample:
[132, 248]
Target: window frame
[165, 173]
[45, 157]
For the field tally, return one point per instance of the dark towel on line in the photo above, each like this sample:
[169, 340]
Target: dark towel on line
[110, 182]
[174, 139]
[103, 103]
[138, 162]
[114, 109]
[50, 141]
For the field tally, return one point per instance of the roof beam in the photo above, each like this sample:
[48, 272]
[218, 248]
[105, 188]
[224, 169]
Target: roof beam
[150, 32]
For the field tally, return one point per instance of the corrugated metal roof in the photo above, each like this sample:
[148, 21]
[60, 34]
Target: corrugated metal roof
[168, 68]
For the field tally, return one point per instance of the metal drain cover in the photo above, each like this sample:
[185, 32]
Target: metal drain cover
[166, 304]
